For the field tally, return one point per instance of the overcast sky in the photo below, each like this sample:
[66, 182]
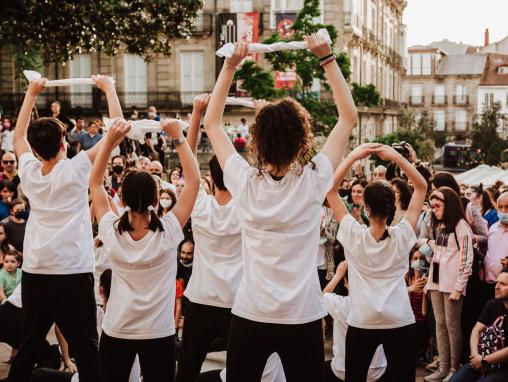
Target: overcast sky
[457, 20]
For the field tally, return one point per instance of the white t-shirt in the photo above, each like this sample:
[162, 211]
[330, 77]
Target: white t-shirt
[8, 140]
[101, 264]
[280, 238]
[15, 297]
[376, 272]
[142, 298]
[274, 371]
[217, 266]
[338, 307]
[58, 236]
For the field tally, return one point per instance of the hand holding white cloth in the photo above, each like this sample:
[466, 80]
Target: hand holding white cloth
[32, 75]
[240, 102]
[228, 49]
[140, 128]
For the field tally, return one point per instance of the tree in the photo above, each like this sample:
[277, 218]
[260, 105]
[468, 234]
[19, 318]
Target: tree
[323, 112]
[485, 137]
[365, 95]
[56, 30]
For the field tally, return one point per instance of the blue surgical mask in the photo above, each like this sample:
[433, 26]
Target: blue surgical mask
[503, 217]
[418, 264]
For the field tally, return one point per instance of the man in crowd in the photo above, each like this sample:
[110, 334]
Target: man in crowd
[379, 173]
[494, 366]
[186, 260]
[142, 163]
[10, 172]
[89, 139]
[73, 137]
[243, 129]
[155, 168]
[498, 244]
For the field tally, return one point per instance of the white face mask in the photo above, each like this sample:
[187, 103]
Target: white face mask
[165, 203]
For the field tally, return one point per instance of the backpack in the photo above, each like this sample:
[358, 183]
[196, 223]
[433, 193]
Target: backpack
[492, 339]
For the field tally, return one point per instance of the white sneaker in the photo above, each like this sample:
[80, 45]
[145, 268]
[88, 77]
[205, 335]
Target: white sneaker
[437, 376]
[449, 376]
[434, 365]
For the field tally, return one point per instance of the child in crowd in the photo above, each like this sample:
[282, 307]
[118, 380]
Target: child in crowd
[10, 275]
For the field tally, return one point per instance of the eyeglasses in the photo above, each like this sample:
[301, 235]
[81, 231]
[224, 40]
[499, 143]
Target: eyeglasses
[8, 161]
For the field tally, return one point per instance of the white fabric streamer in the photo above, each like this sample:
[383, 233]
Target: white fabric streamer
[239, 102]
[142, 127]
[32, 75]
[228, 49]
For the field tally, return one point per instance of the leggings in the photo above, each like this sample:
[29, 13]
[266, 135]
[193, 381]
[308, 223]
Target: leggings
[250, 343]
[448, 329]
[156, 358]
[400, 350]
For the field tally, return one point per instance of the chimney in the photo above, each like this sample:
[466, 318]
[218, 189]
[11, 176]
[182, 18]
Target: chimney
[486, 37]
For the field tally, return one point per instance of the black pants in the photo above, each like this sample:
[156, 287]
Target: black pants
[12, 319]
[68, 301]
[210, 376]
[203, 324]
[400, 349]
[250, 343]
[328, 375]
[49, 375]
[156, 358]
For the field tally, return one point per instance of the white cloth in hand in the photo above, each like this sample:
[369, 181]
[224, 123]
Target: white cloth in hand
[228, 49]
[140, 128]
[240, 102]
[32, 75]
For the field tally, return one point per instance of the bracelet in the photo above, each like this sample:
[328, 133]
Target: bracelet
[325, 57]
[328, 60]
[231, 65]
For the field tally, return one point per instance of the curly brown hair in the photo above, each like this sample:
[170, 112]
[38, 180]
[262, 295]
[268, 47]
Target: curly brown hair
[282, 135]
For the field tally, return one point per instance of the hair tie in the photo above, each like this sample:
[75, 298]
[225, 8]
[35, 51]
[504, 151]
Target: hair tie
[150, 208]
[127, 209]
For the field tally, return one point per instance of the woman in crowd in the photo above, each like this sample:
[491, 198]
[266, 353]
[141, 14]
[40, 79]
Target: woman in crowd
[4, 244]
[279, 206]
[402, 198]
[16, 225]
[356, 205]
[481, 199]
[448, 276]
[377, 265]
[167, 200]
[174, 176]
[142, 254]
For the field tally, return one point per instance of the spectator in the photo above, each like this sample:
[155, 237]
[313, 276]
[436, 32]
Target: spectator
[56, 113]
[186, 259]
[7, 136]
[174, 175]
[167, 200]
[498, 243]
[240, 143]
[4, 244]
[243, 129]
[379, 173]
[89, 139]
[73, 137]
[481, 199]
[179, 187]
[6, 191]
[152, 114]
[155, 168]
[10, 275]
[9, 165]
[118, 165]
[356, 205]
[402, 198]
[142, 163]
[487, 364]
[449, 273]
[16, 225]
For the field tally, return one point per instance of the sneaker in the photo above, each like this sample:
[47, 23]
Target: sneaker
[449, 376]
[434, 365]
[437, 376]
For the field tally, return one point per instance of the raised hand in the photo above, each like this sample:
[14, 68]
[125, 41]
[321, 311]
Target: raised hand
[388, 153]
[318, 45]
[201, 102]
[172, 128]
[341, 269]
[364, 150]
[117, 131]
[241, 50]
[104, 83]
[36, 86]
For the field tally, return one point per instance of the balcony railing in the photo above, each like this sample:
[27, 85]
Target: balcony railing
[89, 103]
[461, 100]
[416, 100]
[439, 100]
[391, 104]
[203, 24]
[460, 126]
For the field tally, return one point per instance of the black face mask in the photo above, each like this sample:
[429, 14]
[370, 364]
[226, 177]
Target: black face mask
[118, 169]
[19, 214]
[343, 192]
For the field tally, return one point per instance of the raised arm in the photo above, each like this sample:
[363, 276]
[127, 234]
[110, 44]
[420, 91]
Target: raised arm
[418, 181]
[334, 200]
[107, 85]
[185, 203]
[21, 144]
[200, 104]
[339, 137]
[339, 275]
[98, 193]
[221, 143]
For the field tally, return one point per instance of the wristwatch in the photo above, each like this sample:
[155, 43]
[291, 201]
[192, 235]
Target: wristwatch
[178, 141]
[485, 363]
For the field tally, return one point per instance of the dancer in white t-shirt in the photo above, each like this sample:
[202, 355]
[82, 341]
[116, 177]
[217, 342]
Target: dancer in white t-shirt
[377, 264]
[278, 306]
[142, 254]
[58, 249]
[217, 266]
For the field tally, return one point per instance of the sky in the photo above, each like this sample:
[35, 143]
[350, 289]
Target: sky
[457, 20]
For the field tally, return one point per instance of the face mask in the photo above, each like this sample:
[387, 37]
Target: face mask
[19, 214]
[418, 264]
[118, 169]
[503, 217]
[151, 114]
[7, 125]
[186, 263]
[343, 193]
[165, 203]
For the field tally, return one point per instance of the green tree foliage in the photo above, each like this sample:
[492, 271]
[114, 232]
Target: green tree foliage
[365, 95]
[56, 30]
[485, 137]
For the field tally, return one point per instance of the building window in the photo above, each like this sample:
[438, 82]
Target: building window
[416, 64]
[426, 64]
[81, 67]
[282, 6]
[240, 6]
[135, 85]
[460, 120]
[416, 95]
[373, 17]
[439, 95]
[439, 120]
[192, 72]
[503, 70]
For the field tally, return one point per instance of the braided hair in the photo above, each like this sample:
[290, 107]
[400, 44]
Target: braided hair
[380, 199]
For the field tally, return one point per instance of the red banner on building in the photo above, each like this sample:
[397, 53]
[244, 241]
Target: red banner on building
[248, 30]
